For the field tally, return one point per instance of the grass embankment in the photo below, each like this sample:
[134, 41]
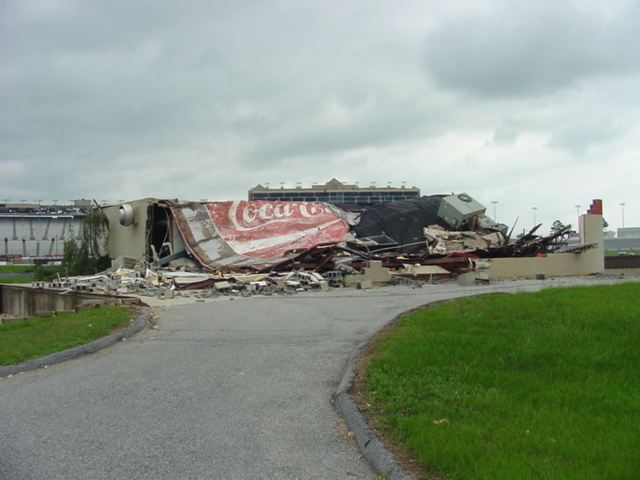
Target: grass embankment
[16, 273]
[529, 386]
[615, 253]
[16, 268]
[16, 279]
[26, 339]
[28, 273]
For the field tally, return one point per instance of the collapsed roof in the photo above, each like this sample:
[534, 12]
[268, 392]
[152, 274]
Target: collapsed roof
[262, 234]
[256, 233]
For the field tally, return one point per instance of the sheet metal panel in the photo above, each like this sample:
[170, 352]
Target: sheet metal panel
[244, 233]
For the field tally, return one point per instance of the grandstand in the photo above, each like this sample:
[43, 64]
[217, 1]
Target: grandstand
[31, 233]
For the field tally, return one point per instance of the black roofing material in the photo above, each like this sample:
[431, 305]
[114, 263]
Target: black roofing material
[403, 220]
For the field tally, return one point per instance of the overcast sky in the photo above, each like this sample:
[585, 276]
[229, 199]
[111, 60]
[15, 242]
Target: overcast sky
[525, 103]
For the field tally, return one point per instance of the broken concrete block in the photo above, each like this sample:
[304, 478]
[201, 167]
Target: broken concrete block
[324, 285]
[334, 278]
[317, 276]
[168, 293]
[122, 262]
[375, 272]
[222, 286]
[352, 280]
[365, 284]
[466, 279]
[151, 277]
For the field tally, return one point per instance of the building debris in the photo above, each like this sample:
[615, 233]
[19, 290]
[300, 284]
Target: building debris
[441, 241]
[266, 248]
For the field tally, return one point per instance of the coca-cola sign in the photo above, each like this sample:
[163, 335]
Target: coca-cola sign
[267, 230]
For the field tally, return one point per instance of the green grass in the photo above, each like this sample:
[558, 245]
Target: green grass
[27, 339]
[16, 279]
[613, 253]
[23, 272]
[530, 386]
[29, 273]
[16, 268]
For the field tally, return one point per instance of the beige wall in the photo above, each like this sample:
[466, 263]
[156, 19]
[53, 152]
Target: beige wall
[128, 241]
[557, 264]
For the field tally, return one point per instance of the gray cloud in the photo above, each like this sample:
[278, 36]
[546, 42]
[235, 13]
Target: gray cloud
[533, 48]
[117, 100]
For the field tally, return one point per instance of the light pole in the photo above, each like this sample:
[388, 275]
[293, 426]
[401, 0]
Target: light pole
[622, 205]
[534, 215]
[494, 202]
[578, 208]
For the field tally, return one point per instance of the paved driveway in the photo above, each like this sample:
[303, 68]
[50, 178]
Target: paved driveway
[225, 389]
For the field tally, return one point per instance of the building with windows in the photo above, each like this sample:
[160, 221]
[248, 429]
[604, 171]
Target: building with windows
[627, 240]
[628, 232]
[336, 192]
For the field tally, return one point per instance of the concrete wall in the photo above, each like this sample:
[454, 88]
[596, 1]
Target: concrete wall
[557, 264]
[132, 241]
[128, 241]
[176, 239]
[25, 302]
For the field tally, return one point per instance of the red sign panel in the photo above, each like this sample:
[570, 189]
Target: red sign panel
[267, 230]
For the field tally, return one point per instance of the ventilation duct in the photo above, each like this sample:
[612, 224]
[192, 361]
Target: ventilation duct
[125, 215]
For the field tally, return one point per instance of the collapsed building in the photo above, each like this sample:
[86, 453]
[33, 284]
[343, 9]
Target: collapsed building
[169, 248]
[437, 236]
[258, 235]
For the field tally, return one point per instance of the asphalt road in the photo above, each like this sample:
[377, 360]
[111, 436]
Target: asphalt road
[225, 389]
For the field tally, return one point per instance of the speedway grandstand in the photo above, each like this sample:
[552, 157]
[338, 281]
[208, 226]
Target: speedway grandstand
[35, 233]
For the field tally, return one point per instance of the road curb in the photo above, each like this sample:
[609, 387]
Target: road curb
[378, 457]
[376, 454]
[138, 324]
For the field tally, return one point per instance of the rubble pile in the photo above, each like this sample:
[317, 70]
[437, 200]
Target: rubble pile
[248, 248]
[167, 283]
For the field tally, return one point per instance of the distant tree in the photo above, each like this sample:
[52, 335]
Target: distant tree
[90, 255]
[95, 233]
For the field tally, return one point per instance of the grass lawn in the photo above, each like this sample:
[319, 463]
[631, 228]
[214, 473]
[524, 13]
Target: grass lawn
[16, 269]
[27, 339]
[530, 386]
[17, 273]
[613, 253]
[16, 279]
